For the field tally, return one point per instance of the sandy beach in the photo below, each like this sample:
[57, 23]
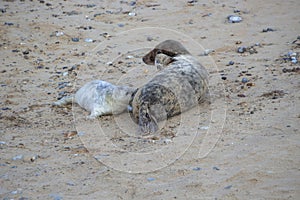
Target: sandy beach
[241, 143]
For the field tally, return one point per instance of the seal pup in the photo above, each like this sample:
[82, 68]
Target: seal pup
[100, 98]
[177, 87]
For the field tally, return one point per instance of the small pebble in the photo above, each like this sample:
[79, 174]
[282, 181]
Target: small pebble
[59, 33]
[33, 158]
[80, 133]
[197, 168]
[150, 179]
[234, 19]
[231, 63]
[244, 80]
[88, 40]
[216, 168]
[56, 196]
[149, 38]
[206, 52]
[294, 60]
[268, 30]
[224, 78]
[228, 187]
[121, 25]
[70, 183]
[132, 3]
[109, 63]
[204, 127]
[167, 141]
[18, 191]
[132, 14]
[75, 39]
[291, 54]
[18, 157]
[8, 23]
[242, 49]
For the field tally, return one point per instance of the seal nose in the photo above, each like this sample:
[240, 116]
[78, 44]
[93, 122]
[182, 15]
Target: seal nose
[145, 59]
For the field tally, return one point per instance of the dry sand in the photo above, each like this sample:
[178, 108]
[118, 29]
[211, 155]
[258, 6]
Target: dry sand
[244, 144]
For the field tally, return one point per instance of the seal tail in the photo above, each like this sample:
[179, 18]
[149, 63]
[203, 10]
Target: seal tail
[147, 122]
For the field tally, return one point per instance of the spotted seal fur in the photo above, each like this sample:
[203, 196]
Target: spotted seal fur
[179, 86]
[100, 98]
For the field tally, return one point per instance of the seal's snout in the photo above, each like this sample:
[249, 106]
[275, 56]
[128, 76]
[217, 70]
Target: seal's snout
[149, 57]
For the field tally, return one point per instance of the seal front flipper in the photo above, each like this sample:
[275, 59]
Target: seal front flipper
[147, 122]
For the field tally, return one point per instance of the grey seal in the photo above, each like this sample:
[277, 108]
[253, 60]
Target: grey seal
[100, 98]
[180, 85]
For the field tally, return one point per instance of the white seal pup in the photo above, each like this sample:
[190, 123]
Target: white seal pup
[101, 98]
[179, 86]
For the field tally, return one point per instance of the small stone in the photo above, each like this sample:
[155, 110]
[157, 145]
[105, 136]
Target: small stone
[234, 19]
[294, 61]
[18, 157]
[228, 187]
[231, 63]
[132, 14]
[197, 168]
[250, 84]
[224, 78]
[149, 38]
[244, 80]
[216, 168]
[75, 39]
[70, 183]
[132, 3]
[267, 30]
[18, 191]
[242, 49]
[109, 63]
[59, 33]
[167, 141]
[206, 52]
[192, 1]
[80, 133]
[150, 179]
[89, 40]
[8, 23]
[56, 196]
[204, 127]
[33, 158]
[121, 25]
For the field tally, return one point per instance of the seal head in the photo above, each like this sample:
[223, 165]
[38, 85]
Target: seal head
[170, 48]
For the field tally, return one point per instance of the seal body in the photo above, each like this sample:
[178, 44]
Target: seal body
[101, 98]
[178, 87]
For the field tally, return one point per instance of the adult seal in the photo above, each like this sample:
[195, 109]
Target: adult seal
[180, 85]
